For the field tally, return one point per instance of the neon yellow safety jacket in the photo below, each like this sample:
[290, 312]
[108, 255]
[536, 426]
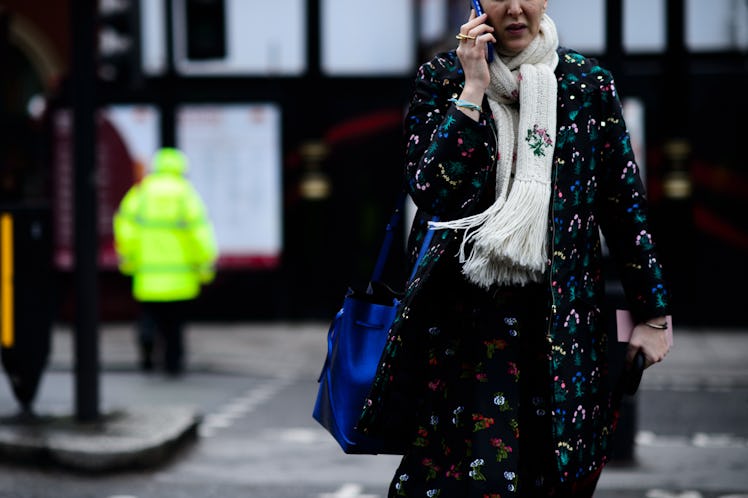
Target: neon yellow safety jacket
[162, 234]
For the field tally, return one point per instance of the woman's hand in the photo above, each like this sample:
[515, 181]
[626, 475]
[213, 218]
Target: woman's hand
[472, 54]
[654, 343]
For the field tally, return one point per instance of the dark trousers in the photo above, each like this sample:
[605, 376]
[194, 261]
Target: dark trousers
[164, 321]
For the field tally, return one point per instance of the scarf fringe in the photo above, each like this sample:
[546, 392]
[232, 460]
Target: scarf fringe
[511, 246]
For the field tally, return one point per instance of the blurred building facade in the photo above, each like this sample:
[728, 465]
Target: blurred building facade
[292, 119]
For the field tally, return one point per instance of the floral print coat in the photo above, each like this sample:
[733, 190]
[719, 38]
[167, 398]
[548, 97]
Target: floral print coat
[450, 168]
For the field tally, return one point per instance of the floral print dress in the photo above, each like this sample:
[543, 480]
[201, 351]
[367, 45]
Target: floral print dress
[467, 439]
[485, 431]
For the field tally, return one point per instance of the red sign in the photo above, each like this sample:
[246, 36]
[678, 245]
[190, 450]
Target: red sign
[115, 172]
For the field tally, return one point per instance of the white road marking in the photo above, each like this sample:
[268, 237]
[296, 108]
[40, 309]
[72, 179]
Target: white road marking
[711, 386]
[702, 440]
[348, 491]
[659, 493]
[697, 440]
[241, 406]
[301, 435]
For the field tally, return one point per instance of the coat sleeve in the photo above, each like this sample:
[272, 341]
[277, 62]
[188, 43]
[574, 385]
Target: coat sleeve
[625, 223]
[447, 154]
[126, 231]
[203, 246]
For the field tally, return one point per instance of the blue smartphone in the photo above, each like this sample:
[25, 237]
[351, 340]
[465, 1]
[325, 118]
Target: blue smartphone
[489, 46]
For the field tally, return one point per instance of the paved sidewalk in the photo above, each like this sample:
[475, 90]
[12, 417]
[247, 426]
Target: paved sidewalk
[148, 434]
[700, 360]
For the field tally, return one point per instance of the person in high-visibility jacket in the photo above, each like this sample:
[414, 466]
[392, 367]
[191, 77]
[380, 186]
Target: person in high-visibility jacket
[166, 242]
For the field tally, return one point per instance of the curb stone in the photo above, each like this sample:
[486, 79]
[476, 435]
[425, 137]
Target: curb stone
[124, 439]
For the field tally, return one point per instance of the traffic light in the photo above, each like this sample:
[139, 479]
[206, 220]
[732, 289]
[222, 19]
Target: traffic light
[119, 42]
[206, 29]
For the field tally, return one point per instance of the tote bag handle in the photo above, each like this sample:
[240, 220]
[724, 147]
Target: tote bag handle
[389, 237]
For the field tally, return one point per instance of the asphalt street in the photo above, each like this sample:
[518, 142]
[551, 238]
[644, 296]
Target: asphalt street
[254, 385]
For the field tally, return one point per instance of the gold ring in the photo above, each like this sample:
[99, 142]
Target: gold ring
[464, 37]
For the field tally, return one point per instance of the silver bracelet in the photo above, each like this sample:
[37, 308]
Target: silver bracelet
[658, 326]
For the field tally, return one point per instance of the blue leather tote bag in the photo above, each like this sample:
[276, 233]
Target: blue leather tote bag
[355, 343]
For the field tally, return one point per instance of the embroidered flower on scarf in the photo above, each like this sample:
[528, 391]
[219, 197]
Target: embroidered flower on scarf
[539, 140]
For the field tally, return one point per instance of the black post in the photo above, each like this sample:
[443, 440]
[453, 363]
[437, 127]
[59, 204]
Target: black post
[314, 40]
[676, 81]
[679, 240]
[169, 83]
[83, 77]
[6, 121]
[676, 37]
[614, 35]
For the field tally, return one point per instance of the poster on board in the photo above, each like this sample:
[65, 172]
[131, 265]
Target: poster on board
[234, 153]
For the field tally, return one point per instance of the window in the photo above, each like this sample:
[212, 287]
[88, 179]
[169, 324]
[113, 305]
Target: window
[580, 24]
[265, 38]
[644, 26]
[716, 25]
[361, 37]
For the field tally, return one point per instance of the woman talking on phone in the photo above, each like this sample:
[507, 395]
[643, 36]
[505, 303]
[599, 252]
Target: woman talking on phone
[495, 376]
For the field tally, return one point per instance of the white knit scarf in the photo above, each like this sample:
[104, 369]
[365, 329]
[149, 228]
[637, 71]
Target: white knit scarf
[509, 238]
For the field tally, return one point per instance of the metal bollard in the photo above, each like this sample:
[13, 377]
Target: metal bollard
[25, 298]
